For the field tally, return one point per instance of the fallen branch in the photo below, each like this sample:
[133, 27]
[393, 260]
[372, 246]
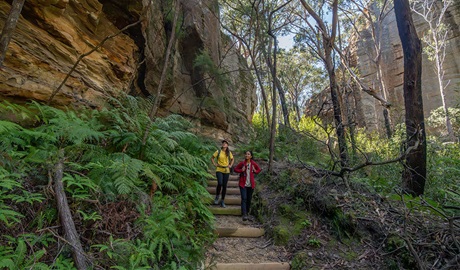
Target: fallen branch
[70, 232]
[344, 170]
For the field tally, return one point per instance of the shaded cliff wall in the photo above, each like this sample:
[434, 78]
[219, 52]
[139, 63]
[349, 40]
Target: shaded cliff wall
[51, 35]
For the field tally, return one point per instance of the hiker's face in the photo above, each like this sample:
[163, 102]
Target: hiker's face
[248, 155]
[224, 144]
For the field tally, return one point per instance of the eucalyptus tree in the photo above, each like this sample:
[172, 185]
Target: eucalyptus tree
[255, 24]
[243, 20]
[321, 37]
[276, 21]
[414, 174]
[434, 13]
[374, 14]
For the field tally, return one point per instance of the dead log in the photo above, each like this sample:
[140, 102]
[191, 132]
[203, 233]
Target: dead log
[65, 216]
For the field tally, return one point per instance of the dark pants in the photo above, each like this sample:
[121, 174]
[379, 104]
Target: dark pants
[222, 180]
[246, 197]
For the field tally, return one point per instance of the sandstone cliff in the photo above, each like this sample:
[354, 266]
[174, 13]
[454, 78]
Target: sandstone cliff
[368, 110]
[52, 34]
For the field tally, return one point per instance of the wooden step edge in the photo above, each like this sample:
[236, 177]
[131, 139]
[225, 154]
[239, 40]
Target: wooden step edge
[252, 266]
[213, 183]
[230, 200]
[231, 211]
[230, 190]
[245, 232]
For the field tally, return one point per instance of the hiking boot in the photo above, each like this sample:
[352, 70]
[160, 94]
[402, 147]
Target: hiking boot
[216, 201]
[222, 204]
[245, 217]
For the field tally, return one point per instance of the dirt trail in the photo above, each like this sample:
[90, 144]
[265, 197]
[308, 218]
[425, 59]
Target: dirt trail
[244, 250]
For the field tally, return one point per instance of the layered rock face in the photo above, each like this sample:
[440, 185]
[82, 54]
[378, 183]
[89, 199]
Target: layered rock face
[393, 66]
[52, 35]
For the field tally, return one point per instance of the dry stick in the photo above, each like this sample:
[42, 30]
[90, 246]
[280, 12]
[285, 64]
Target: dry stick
[406, 238]
[454, 261]
[8, 28]
[65, 216]
[414, 253]
[156, 103]
[361, 84]
[86, 54]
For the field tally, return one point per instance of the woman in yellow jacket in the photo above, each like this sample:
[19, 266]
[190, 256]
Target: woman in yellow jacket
[223, 164]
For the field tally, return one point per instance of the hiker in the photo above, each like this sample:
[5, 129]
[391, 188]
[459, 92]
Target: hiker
[223, 164]
[247, 169]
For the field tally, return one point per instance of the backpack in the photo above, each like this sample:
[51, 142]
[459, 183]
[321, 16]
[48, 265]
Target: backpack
[218, 154]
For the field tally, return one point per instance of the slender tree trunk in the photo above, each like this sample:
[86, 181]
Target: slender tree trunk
[65, 216]
[8, 28]
[383, 91]
[440, 73]
[282, 95]
[274, 112]
[340, 130]
[328, 46]
[277, 83]
[262, 90]
[414, 174]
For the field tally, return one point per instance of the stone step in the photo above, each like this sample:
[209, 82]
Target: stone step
[252, 266]
[230, 190]
[213, 183]
[248, 232]
[229, 210]
[230, 200]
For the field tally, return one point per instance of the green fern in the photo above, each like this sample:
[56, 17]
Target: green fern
[102, 160]
[9, 193]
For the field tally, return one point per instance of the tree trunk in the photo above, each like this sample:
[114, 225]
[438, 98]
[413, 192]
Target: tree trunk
[65, 216]
[274, 105]
[383, 91]
[8, 28]
[282, 95]
[262, 89]
[414, 173]
[340, 130]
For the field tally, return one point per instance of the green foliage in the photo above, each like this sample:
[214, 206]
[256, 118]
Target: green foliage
[314, 242]
[437, 120]
[204, 62]
[281, 235]
[290, 145]
[12, 191]
[300, 261]
[16, 255]
[105, 161]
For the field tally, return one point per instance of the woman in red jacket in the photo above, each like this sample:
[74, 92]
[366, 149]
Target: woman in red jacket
[247, 169]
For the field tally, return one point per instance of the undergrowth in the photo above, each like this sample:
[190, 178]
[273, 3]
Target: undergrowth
[135, 206]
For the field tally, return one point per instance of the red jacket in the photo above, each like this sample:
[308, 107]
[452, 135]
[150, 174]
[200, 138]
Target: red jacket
[241, 168]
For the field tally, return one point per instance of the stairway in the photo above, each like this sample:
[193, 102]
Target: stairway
[240, 244]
